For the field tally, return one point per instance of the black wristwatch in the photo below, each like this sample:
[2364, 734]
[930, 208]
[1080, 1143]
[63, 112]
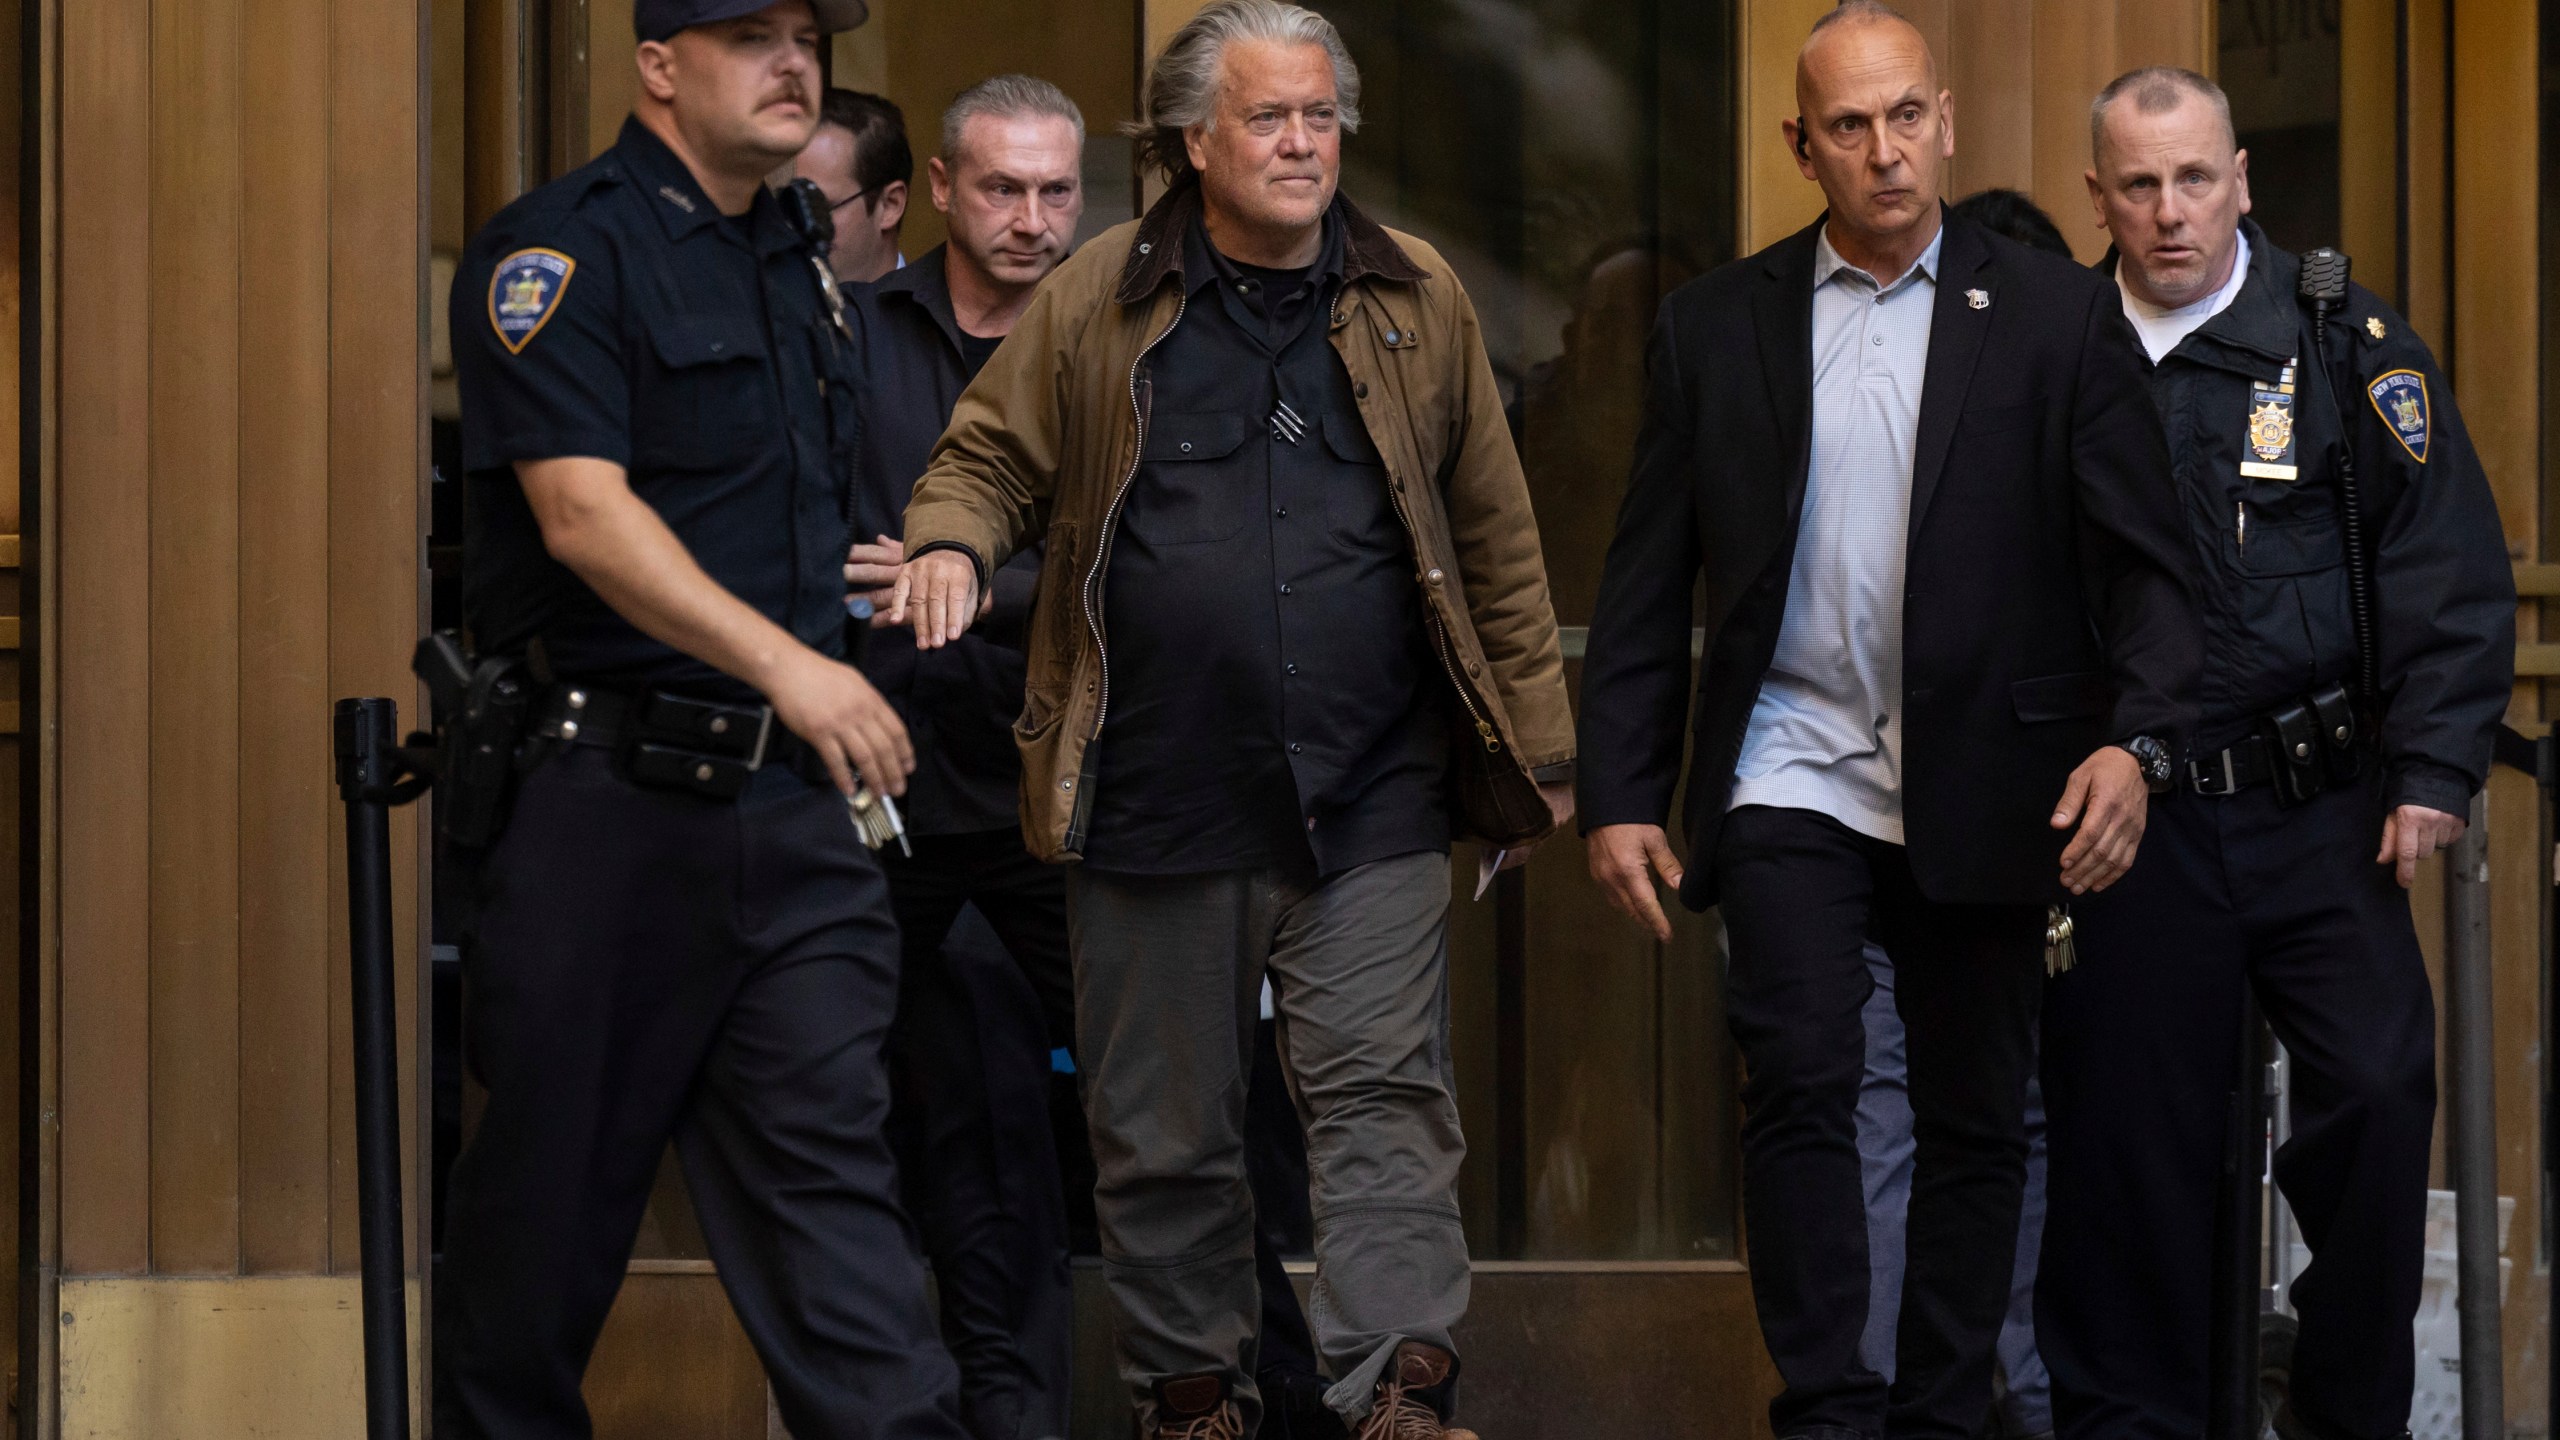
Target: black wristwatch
[2152, 755]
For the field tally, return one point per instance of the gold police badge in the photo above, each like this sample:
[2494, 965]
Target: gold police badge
[2270, 431]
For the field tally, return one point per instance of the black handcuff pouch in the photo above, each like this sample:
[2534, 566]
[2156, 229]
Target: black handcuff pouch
[676, 742]
[2311, 744]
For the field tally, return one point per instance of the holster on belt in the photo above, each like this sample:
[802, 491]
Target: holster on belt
[483, 709]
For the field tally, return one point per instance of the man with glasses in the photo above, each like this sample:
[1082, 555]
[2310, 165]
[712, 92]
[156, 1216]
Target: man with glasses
[859, 158]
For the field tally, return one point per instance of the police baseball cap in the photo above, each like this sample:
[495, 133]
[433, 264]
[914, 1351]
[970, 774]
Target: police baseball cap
[658, 19]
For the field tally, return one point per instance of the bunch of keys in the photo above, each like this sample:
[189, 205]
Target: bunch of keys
[2058, 952]
[876, 819]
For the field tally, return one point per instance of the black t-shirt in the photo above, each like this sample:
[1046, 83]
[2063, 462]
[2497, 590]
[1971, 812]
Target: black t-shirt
[616, 314]
[977, 350]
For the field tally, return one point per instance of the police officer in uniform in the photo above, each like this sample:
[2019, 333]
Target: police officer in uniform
[2279, 857]
[679, 933]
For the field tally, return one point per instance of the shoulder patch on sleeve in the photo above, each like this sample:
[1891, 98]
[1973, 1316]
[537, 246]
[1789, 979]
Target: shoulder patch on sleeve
[524, 293]
[2400, 398]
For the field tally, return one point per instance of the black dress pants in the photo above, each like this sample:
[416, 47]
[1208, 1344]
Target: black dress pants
[648, 965]
[1802, 895]
[2139, 1058]
[970, 1065]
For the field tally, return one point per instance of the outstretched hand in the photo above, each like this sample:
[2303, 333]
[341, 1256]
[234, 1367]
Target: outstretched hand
[942, 588]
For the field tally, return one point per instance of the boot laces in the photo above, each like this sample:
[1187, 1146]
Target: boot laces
[1398, 1416]
[1219, 1424]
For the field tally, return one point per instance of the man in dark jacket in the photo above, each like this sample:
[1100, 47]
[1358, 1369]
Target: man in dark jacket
[1946, 622]
[2262, 871]
[971, 1067]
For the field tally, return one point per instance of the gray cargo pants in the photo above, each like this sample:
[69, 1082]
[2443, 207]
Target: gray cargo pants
[1169, 974]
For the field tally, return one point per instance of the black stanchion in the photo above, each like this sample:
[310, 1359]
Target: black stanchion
[369, 770]
[2539, 757]
[2231, 1402]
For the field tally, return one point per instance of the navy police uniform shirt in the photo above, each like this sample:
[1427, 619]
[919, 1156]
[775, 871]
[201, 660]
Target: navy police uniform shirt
[616, 313]
[2254, 425]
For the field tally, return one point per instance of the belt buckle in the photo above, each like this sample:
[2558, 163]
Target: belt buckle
[2201, 780]
[764, 735]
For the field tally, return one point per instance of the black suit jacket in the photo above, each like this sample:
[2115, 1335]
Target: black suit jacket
[2048, 607]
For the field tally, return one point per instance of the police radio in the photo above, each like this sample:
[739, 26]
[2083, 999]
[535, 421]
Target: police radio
[806, 211]
[2323, 289]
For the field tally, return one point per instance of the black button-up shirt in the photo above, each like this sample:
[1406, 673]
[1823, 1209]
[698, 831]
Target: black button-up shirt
[959, 701]
[615, 313]
[1273, 692]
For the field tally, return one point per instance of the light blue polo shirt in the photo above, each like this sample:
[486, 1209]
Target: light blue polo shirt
[1826, 732]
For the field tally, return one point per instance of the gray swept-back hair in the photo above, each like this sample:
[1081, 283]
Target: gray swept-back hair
[2157, 90]
[1007, 97]
[1182, 84]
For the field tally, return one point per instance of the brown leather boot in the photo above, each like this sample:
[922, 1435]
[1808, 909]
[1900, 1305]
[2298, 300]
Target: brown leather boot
[1195, 1407]
[1401, 1414]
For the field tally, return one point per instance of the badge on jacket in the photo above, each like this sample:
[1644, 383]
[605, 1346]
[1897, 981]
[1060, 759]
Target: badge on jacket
[2400, 398]
[524, 293]
[2271, 454]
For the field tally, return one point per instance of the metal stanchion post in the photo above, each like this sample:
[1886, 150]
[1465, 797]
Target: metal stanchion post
[2231, 1403]
[366, 736]
[2472, 1137]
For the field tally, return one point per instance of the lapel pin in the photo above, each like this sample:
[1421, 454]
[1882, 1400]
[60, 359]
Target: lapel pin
[1978, 299]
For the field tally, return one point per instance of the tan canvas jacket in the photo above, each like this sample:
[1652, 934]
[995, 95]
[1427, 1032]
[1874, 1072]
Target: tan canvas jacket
[1046, 441]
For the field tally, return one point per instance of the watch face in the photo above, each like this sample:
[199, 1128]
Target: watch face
[2151, 755]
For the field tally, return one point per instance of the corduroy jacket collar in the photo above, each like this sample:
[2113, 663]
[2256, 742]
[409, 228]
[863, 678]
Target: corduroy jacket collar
[1368, 250]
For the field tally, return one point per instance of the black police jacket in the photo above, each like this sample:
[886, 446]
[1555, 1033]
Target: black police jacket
[2270, 550]
[615, 313]
[959, 702]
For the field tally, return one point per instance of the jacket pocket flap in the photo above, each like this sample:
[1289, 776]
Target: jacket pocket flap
[1195, 435]
[1349, 440]
[2059, 697]
[2302, 547]
[686, 340]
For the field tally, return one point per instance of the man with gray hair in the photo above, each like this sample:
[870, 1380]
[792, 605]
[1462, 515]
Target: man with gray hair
[1292, 636]
[2359, 636]
[971, 1043]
